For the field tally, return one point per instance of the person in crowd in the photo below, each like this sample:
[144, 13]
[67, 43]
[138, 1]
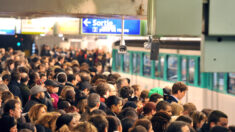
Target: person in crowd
[51, 96]
[160, 121]
[189, 108]
[103, 90]
[164, 106]
[149, 110]
[177, 110]
[85, 127]
[186, 119]
[100, 122]
[127, 123]
[6, 78]
[36, 111]
[138, 128]
[121, 83]
[72, 81]
[93, 102]
[145, 123]
[219, 129]
[61, 78]
[128, 112]
[114, 124]
[137, 90]
[178, 92]
[114, 104]
[216, 118]
[24, 89]
[14, 85]
[37, 97]
[8, 124]
[178, 126]
[199, 118]
[60, 61]
[156, 98]
[144, 97]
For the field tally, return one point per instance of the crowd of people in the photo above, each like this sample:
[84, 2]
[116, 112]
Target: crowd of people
[73, 92]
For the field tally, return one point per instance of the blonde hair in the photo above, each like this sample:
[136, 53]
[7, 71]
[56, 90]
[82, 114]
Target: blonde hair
[33, 112]
[48, 120]
[64, 128]
[85, 127]
[177, 109]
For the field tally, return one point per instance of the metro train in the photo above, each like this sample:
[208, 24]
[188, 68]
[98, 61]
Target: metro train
[177, 61]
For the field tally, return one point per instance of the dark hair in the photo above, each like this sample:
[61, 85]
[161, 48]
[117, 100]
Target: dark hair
[114, 123]
[160, 121]
[144, 94]
[15, 76]
[10, 105]
[23, 69]
[85, 76]
[126, 92]
[24, 79]
[93, 99]
[162, 105]
[102, 89]
[219, 129]
[176, 126]
[179, 86]
[63, 104]
[61, 77]
[112, 100]
[197, 117]
[71, 77]
[60, 58]
[62, 120]
[154, 97]
[138, 128]
[131, 104]
[144, 122]
[128, 112]
[215, 116]
[100, 122]
[6, 77]
[28, 126]
[232, 128]
[148, 107]
[127, 123]
[184, 118]
[70, 96]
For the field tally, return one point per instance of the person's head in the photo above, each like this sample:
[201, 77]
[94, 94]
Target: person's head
[128, 112]
[10, 64]
[149, 108]
[189, 108]
[7, 95]
[126, 92]
[52, 86]
[138, 128]
[6, 78]
[145, 123]
[85, 87]
[9, 124]
[37, 92]
[61, 59]
[98, 67]
[186, 119]
[178, 126]
[13, 108]
[137, 90]
[61, 77]
[100, 122]
[62, 120]
[75, 121]
[127, 123]
[121, 83]
[28, 126]
[93, 100]
[207, 112]
[219, 129]
[177, 109]
[114, 123]
[144, 96]
[24, 78]
[114, 103]
[164, 106]
[36, 111]
[179, 89]
[70, 96]
[160, 121]
[217, 118]
[155, 98]
[48, 120]
[65, 89]
[103, 90]
[199, 119]
[85, 127]
[72, 79]
[15, 76]
[85, 76]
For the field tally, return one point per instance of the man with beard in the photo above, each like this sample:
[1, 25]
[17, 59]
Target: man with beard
[37, 97]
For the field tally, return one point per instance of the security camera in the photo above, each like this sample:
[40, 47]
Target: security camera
[122, 49]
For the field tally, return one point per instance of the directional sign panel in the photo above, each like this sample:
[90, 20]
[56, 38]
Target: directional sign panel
[110, 26]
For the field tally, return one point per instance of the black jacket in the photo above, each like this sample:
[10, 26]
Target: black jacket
[31, 103]
[15, 89]
[171, 99]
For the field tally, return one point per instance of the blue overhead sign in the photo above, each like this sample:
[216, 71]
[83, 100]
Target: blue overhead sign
[110, 26]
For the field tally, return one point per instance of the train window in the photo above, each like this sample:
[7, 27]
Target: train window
[126, 63]
[136, 63]
[231, 86]
[161, 70]
[172, 68]
[218, 81]
[156, 68]
[118, 61]
[191, 70]
[184, 70]
[147, 65]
